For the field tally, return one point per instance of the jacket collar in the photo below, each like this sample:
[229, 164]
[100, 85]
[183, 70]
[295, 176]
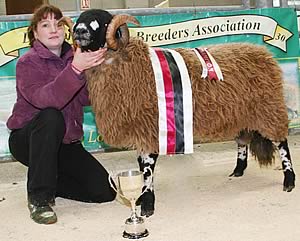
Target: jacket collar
[45, 53]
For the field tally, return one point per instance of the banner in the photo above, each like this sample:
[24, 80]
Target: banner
[276, 28]
[272, 33]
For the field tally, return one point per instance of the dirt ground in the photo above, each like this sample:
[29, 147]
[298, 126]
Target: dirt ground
[195, 200]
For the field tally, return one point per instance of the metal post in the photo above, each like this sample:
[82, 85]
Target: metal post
[246, 4]
[264, 3]
[283, 3]
[77, 6]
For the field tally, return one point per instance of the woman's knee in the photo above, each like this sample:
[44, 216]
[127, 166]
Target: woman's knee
[100, 197]
[51, 118]
[51, 114]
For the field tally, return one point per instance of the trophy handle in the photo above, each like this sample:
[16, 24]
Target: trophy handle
[149, 184]
[113, 187]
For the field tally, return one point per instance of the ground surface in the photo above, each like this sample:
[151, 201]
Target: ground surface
[196, 200]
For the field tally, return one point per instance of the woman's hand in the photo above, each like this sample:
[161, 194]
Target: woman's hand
[86, 60]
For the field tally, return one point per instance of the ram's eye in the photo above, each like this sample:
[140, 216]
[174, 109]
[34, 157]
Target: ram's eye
[118, 33]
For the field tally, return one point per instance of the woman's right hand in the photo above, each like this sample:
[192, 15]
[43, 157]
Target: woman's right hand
[86, 60]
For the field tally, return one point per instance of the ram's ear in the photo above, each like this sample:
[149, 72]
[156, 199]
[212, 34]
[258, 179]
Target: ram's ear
[119, 23]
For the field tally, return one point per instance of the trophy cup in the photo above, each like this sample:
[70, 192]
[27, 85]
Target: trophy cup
[129, 186]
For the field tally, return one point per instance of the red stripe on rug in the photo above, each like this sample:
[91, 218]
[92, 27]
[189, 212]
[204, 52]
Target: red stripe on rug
[169, 96]
[212, 75]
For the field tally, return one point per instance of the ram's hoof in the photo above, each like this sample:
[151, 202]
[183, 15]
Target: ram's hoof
[147, 213]
[289, 181]
[239, 169]
[147, 201]
[289, 188]
[237, 174]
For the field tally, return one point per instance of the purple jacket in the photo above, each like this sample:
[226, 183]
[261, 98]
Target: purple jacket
[46, 80]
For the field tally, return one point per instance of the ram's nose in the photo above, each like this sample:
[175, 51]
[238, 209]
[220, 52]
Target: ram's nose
[81, 31]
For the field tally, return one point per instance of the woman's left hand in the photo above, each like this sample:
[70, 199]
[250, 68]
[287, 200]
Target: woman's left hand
[86, 60]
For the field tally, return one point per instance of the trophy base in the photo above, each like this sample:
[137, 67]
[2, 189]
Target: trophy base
[135, 228]
[135, 236]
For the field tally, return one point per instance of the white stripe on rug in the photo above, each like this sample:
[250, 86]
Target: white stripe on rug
[160, 90]
[187, 102]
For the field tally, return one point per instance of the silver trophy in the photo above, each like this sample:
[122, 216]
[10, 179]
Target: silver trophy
[129, 186]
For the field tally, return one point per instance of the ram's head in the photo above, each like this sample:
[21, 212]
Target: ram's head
[97, 28]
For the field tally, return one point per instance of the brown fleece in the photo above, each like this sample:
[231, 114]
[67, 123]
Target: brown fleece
[124, 99]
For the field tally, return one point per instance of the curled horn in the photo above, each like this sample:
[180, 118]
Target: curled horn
[119, 21]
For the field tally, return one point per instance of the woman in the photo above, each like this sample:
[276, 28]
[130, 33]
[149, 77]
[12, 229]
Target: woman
[46, 121]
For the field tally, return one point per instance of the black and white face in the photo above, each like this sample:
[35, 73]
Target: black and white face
[82, 35]
[90, 29]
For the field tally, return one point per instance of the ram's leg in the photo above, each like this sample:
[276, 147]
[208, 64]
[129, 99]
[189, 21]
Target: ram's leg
[289, 175]
[241, 164]
[147, 200]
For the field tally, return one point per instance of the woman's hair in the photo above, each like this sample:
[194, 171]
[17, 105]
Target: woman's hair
[39, 14]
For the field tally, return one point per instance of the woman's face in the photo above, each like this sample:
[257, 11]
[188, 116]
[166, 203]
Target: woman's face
[50, 33]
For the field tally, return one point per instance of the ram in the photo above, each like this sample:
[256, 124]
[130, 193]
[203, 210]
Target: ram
[156, 100]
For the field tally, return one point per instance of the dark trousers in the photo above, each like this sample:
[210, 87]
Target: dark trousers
[54, 168]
